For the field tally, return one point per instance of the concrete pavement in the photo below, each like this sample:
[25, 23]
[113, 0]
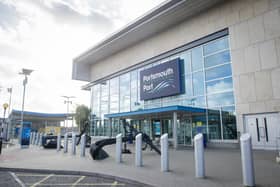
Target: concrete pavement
[223, 166]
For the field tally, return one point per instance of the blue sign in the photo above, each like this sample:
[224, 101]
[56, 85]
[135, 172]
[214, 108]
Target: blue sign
[157, 127]
[25, 134]
[161, 80]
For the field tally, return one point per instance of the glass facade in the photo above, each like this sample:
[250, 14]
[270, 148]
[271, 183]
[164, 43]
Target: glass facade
[207, 83]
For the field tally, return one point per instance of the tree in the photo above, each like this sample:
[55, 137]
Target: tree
[82, 116]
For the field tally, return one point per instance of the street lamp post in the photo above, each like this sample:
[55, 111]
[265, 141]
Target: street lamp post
[10, 90]
[5, 106]
[24, 72]
[68, 101]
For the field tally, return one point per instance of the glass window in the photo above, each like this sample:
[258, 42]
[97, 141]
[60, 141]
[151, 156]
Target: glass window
[96, 100]
[125, 92]
[199, 124]
[198, 83]
[114, 95]
[214, 124]
[104, 104]
[218, 72]
[220, 99]
[229, 123]
[133, 90]
[217, 59]
[216, 45]
[197, 59]
[188, 86]
[140, 104]
[219, 85]
[199, 101]
[186, 57]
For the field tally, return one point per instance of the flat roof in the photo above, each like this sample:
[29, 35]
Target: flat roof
[157, 111]
[16, 114]
[164, 16]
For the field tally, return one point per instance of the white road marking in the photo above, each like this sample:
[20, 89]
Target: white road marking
[17, 179]
[80, 184]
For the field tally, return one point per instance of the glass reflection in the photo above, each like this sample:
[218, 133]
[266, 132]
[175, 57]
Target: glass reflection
[216, 59]
[96, 100]
[219, 85]
[188, 86]
[220, 99]
[197, 59]
[104, 104]
[198, 83]
[133, 90]
[216, 45]
[218, 72]
[229, 122]
[114, 95]
[125, 92]
[186, 57]
[214, 124]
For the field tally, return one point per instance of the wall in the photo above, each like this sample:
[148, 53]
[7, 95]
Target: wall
[254, 29]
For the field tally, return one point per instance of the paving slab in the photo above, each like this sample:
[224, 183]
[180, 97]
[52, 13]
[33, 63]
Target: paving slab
[223, 166]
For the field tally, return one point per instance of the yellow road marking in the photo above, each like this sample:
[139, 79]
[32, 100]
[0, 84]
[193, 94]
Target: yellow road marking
[81, 178]
[115, 183]
[37, 183]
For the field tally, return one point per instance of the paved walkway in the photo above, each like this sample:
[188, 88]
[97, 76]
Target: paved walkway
[223, 166]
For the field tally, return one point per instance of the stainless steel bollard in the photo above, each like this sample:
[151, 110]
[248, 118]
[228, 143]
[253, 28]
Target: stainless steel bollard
[38, 138]
[34, 138]
[119, 148]
[247, 160]
[199, 156]
[58, 146]
[65, 143]
[41, 139]
[83, 145]
[138, 150]
[73, 143]
[164, 153]
[31, 138]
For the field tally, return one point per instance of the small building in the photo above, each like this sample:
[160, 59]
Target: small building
[185, 67]
[40, 122]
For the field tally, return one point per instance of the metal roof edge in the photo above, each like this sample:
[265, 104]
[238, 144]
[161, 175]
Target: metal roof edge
[127, 28]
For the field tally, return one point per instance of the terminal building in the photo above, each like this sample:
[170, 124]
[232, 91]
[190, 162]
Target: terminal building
[190, 66]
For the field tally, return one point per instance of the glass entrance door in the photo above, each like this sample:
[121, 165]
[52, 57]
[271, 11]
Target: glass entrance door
[185, 132]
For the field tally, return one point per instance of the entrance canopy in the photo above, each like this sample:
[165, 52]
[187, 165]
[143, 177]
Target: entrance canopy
[156, 111]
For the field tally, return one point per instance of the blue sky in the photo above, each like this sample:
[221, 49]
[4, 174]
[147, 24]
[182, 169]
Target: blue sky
[45, 35]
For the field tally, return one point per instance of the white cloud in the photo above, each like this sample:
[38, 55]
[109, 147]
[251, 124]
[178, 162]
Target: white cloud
[45, 35]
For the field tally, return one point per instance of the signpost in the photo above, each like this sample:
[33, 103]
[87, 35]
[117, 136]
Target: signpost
[25, 134]
[161, 80]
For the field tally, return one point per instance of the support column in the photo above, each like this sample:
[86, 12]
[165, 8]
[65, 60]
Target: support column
[175, 141]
